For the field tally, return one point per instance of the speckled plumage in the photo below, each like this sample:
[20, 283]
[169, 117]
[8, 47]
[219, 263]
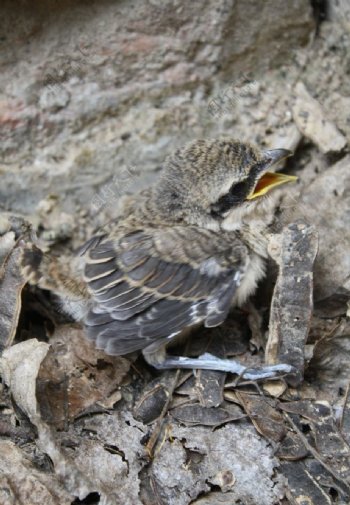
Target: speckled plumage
[179, 253]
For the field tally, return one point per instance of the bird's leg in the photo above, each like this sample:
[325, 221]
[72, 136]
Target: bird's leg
[209, 362]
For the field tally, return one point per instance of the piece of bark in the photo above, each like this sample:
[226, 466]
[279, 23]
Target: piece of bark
[311, 121]
[210, 383]
[11, 285]
[291, 309]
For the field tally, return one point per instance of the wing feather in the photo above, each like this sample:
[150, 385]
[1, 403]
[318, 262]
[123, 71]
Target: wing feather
[102, 283]
[97, 270]
[148, 285]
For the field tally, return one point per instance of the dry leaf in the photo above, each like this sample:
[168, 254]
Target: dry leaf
[23, 484]
[74, 376]
[11, 285]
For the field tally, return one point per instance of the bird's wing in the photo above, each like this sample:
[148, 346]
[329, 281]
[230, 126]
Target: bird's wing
[148, 285]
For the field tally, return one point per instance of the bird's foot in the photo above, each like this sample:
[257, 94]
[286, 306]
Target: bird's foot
[209, 362]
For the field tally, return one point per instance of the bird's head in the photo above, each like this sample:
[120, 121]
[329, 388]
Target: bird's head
[207, 181]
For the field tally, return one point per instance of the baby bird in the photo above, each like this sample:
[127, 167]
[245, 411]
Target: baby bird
[178, 255]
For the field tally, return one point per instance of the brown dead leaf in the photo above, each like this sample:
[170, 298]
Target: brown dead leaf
[188, 388]
[74, 376]
[264, 415]
[154, 398]
[195, 414]
[291, 448]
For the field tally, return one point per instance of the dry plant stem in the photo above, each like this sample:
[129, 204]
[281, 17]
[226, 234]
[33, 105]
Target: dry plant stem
[155, 491]
[159, 423]
[346, 397]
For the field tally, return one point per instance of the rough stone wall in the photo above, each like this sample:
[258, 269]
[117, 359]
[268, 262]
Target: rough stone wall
[90, 88]
[94, 95]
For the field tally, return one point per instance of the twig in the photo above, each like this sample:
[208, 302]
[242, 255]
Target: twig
[341, 420]
[159, 424]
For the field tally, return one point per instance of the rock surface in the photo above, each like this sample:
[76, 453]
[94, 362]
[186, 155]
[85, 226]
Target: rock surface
[326, 204]
[311, 121]
[91, 88]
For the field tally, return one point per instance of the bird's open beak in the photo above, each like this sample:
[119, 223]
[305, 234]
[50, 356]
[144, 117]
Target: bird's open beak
[269, 180]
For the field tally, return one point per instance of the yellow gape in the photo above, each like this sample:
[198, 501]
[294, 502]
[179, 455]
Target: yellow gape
[268, 181]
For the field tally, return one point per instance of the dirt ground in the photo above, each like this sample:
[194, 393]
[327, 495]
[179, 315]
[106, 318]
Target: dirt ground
[93, 96]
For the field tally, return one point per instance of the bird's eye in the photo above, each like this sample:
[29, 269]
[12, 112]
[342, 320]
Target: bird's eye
[236, 195]
[240, 190]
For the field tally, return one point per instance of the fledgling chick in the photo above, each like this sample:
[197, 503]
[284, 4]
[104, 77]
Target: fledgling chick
[180, 253]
